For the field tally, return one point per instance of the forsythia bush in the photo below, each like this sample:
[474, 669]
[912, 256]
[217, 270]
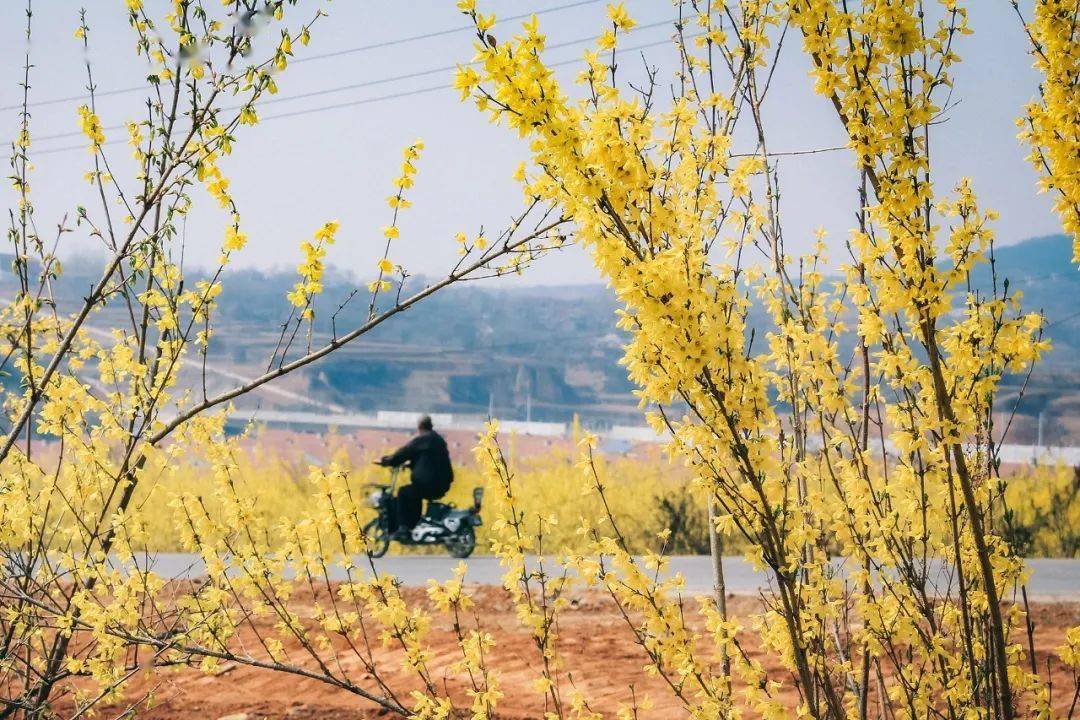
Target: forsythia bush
[1052, 124]
[649, 496]
[850, 449]
[653, 495]
[100, 405]
[1042, 512]
[788, 434]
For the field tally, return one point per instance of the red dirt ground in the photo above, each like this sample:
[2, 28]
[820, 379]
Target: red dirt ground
[594, 642]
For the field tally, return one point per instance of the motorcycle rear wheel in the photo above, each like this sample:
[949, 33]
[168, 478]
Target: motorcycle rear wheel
[462, 543]
[378, 538]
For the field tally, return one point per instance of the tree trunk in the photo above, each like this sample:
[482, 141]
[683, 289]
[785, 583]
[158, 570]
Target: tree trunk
[716, 549]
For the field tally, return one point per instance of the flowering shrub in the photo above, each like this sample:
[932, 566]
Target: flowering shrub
[1052, 124]
[789, 437]
[652, 493]
[1041, 511]
[865, 484]
[97, 416]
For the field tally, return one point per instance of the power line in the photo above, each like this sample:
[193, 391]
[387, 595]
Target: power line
[438, 33]
[1060, 320]
[435, 71]
[355, 103]
[366, 83]
[310, 58]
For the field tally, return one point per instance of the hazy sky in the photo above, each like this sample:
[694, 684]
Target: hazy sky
[293, 173]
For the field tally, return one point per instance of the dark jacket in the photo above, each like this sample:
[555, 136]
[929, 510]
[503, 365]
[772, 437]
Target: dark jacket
[430, 460]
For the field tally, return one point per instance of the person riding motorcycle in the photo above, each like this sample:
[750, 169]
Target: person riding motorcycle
[431, 470]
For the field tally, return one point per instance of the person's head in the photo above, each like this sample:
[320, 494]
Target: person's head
[424, 423]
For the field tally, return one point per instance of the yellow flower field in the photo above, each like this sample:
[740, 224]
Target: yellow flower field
[647, 498]
[651, 495]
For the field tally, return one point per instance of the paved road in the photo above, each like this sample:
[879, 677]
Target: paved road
[1050, 579]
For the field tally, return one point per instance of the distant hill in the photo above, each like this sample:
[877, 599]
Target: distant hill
[1042, 267]
[1048, 403]
[1036, 256]
[1043, 270]
[545, 352]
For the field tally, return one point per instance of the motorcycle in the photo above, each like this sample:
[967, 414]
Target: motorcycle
[442, 523]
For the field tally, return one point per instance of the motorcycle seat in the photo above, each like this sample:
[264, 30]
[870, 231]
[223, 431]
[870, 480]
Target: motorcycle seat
[438, 510]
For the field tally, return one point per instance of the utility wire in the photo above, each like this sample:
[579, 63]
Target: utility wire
[352, 103]
[438, 33]
[322, 56]
[1060, 320]
[370, 83]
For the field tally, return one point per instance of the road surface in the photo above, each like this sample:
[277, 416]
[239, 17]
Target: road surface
[1051, 579]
